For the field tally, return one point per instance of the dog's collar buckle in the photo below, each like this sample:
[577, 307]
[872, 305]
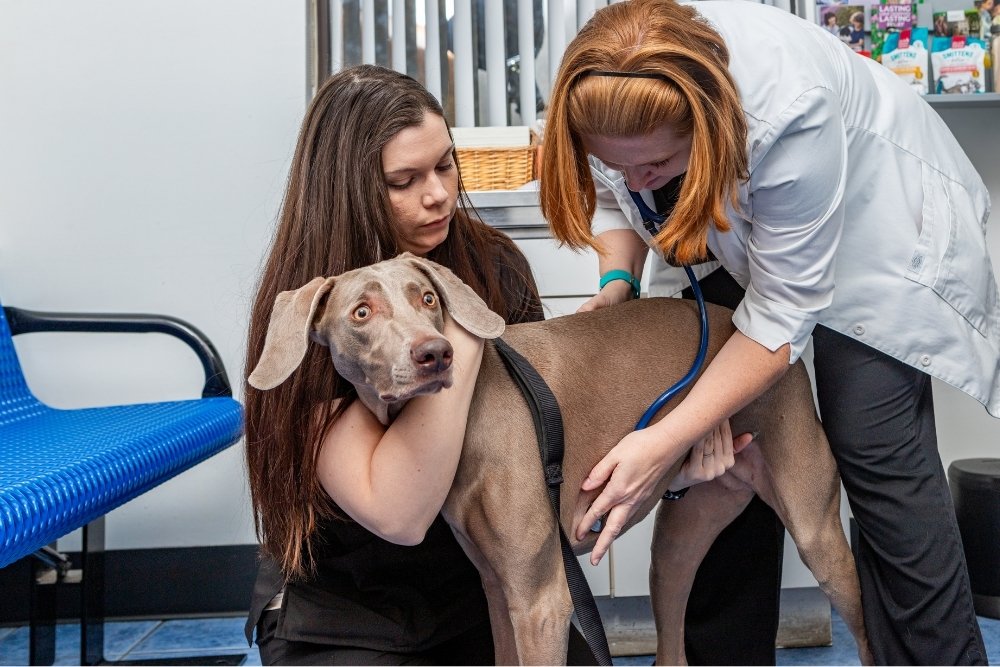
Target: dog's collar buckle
[553, 474]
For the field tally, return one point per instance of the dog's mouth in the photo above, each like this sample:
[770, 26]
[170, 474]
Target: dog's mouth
[431, 386]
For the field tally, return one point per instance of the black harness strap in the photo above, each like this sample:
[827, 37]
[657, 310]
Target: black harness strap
[549, 430]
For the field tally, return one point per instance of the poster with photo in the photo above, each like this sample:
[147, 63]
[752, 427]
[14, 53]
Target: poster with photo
[888, 16]
[846, 22]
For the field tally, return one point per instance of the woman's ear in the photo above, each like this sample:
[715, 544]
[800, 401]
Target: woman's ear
[460, 300]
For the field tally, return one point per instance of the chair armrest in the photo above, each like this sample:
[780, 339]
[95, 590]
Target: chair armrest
[216, 381]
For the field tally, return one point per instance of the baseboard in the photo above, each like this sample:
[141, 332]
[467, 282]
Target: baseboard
[150, 583]
[217, 581]
[804, 620]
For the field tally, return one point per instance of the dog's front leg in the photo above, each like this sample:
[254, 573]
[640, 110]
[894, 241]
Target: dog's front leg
[682, 534]
[540, 606]
[525, 584]
[504, 642]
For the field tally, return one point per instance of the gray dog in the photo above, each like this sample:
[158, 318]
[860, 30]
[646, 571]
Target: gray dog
[602, 393]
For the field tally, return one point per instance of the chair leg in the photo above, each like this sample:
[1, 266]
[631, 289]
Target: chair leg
[45, 577]
[92, 594]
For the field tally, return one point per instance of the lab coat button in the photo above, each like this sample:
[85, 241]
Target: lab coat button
[859, 330]
[925, 360]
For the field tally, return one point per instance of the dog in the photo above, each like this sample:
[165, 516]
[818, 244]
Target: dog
[604, 367]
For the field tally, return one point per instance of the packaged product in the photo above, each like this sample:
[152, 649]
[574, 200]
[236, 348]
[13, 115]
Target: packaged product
[959, 65]
[995, 55]
[906, 53]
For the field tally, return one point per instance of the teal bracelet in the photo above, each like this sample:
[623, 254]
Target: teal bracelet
[619, 274]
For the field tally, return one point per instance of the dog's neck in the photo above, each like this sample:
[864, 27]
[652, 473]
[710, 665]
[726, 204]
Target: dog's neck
[384, 412]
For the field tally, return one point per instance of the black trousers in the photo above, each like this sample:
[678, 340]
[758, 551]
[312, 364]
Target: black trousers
[878, 414]
[474, 647]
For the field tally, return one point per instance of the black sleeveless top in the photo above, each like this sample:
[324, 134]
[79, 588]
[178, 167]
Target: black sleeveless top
[373, 594]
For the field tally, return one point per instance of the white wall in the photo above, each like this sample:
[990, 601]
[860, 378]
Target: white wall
[143, 151]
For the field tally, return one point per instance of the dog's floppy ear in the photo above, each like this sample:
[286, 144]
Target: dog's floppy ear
[288, 333]
[461, 301]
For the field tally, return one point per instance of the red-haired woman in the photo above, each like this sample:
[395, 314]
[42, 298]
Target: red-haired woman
[847, 212]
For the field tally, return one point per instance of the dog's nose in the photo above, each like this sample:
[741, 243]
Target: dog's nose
[432, 355]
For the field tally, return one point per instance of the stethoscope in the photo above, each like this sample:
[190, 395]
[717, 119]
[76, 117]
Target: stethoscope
[652, 221]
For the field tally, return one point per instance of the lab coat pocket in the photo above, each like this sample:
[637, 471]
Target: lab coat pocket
[951, 256]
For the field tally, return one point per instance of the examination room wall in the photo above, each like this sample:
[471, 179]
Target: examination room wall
[143, 152]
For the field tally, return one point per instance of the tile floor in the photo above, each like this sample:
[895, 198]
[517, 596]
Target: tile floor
[137, 640]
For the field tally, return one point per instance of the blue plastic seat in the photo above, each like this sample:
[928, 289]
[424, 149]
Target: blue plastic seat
[61, 470]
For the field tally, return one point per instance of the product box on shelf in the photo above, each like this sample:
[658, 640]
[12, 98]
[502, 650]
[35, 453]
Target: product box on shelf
[906, 53]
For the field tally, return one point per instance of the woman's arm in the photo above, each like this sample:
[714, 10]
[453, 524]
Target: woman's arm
[393, 481]
[622, 249]
[740, 372]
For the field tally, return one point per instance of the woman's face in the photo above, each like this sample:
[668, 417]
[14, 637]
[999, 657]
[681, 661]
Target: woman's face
[422, 180]
[647, 161]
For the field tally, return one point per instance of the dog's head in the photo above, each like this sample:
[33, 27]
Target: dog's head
[383, 324]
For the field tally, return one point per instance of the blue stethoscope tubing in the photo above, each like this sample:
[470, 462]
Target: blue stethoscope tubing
[651, 220]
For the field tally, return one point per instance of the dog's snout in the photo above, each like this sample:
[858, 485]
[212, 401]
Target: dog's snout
[432, 355]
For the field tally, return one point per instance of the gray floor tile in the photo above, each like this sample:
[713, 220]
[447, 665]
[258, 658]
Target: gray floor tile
[14, 646]
[122, 637]
[844, 650]
[211, 636]
[990, 627]
[630, 660]
[201, 636]
[253, 658]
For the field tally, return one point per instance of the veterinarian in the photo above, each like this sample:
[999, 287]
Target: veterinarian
[357, 565]
[842, 205]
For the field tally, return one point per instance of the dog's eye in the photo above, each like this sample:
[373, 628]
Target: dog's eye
[429, 299]
[362, 313]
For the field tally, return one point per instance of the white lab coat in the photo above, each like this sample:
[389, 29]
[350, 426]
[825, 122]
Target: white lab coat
[861, 212]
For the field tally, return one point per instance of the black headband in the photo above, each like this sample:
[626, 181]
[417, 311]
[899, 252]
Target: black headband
[624, 75]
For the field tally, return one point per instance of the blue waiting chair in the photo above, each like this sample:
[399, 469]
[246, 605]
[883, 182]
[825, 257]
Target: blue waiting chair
[61, 470]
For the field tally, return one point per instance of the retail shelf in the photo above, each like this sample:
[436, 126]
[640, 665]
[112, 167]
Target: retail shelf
[980, 101]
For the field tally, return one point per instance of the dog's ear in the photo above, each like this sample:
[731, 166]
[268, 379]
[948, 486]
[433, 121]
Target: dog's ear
[288, 333]
[461, 301]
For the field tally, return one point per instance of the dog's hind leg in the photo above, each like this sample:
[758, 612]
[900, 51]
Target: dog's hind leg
[683, 532]
[808, 503]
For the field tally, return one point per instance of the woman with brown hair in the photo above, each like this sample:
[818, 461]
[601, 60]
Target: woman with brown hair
[843, 211]
[337, 498]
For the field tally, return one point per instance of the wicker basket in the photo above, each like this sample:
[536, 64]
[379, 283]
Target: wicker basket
[496, 168]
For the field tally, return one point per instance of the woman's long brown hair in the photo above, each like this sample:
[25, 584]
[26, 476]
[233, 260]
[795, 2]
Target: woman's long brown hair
[691, 90]
[336, 217]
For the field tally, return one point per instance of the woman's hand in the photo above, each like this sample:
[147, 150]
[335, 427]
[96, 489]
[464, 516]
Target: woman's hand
[711, 457]
[632, 470]
[629, 474]
[615, 292]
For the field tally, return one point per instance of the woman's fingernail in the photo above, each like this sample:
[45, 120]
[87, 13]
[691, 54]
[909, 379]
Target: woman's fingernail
[754, 434]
